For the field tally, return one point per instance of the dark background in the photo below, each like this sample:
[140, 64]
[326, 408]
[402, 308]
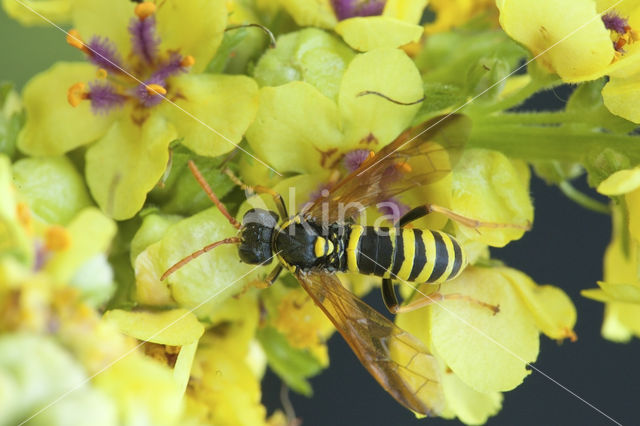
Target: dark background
[565, 248]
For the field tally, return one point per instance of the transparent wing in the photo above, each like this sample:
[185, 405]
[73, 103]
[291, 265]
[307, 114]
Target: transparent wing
[397, 360]
[421, 155]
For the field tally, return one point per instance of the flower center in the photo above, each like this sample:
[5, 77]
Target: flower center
[621, 32]
[114, 84]
[345, 9]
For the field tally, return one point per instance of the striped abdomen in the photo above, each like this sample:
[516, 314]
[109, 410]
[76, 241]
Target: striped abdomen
[407, 254]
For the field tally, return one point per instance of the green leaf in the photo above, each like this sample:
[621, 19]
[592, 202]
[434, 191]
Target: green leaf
[181, 194]
[293, 365]
[441, 61]
[587, 100]
[438, 97]
[231, 40]
[600, 165]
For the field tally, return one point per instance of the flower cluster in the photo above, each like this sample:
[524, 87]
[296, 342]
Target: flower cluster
[98, 200]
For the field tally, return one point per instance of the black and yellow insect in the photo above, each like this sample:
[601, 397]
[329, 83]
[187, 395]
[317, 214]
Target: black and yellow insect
[321, 240]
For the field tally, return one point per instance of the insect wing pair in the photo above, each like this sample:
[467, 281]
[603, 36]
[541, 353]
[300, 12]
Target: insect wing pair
[401, 363]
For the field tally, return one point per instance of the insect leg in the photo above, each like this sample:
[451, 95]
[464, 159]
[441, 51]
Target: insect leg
[438, 297]
[425, 209]
[413, 214]
[389, 295]
[273, 275]
[259, 189]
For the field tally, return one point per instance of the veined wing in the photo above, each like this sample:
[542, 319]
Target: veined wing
[421, 155]
[397, 360]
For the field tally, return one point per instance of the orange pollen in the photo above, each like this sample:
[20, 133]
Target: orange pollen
[156, 89]
[101, 73]
[57, 238]
[24, 215]
[187, 61]
[144, 10]
[74, 39]
[620, 43]
[371, 155]
[77, 94]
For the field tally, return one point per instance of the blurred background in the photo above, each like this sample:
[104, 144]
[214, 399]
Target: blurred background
[564, 248]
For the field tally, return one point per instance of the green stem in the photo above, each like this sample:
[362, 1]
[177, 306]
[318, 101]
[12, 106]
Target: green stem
[563, 143]
[583, 199]
[535, 118]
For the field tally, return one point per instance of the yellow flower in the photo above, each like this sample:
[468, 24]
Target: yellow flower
[224, 387]
[503, 343]
[597, 38]
[363, 24]
[454, 13]
[620, 290]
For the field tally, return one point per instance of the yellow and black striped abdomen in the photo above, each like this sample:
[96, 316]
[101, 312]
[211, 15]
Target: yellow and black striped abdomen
[407, 254]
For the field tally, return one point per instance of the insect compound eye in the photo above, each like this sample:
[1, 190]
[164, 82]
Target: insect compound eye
[262, 217]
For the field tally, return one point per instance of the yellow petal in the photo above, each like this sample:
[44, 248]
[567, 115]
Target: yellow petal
[185, 25]
[177, 327]
[406, 10]
[90, 234]
[620, 96]
[620, 182]
[148, 268]
[30, 12]
[143, 389]
[53, 126]
[487, 186]
[184, 362]
[125, 164]
[390, 72]
[488, 352]
[552, 309]
[375, 32]
[311, 13]
[470, 406]
[283, 134]
[621, 322]
[575, 45]
[215, 111]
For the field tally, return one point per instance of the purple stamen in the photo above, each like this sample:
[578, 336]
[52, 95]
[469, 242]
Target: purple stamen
[104, 53]
[345, 9]
[393, 208]
[321, 191]
[353, 159]
[104, 97]
[144, 40]
[172, 67]
[42, 255]
[612, 21]
[149, 99]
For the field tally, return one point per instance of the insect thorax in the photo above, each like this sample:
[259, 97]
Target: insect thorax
[306, 245]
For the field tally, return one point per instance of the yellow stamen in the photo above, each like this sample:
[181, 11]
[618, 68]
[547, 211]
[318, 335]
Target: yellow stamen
[144, 10]
[187, 61]
[74, 39]
[77, 94]
[24, 216]
[57, 238]
[101, 73]
[156, 89]
[371, 155]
